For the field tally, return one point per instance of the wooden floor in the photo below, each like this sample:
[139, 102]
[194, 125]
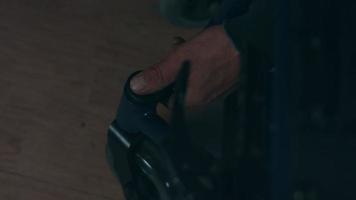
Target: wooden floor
[62, 66]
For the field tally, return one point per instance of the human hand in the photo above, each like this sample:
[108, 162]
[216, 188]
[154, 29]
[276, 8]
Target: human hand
[215, 65]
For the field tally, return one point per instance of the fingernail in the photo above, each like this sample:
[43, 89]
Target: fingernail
[138, 83]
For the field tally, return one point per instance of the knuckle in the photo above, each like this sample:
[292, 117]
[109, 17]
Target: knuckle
[156, 75]
[159, 75]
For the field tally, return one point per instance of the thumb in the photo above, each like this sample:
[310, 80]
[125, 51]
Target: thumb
[152, 79]
[158, 76]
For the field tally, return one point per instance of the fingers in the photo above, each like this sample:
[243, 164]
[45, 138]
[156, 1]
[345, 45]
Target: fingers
[155, 78]
[148, 81]
[215, 68]
[158, 76]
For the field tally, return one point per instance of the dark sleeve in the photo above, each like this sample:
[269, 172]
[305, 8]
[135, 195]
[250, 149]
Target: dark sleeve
[230, 9]
[254, 28]
[247, 22]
